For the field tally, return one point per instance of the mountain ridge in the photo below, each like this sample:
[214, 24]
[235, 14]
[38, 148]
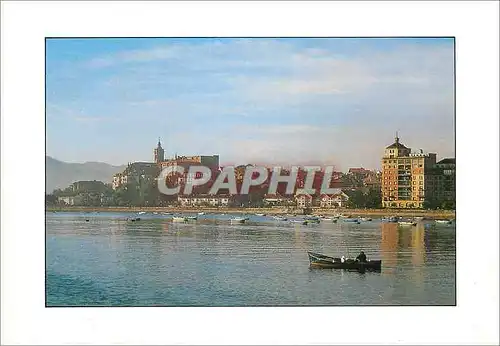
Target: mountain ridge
[60, 174]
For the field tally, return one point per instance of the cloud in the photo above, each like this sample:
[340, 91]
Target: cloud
[133, 56]
[278, 72]
[233, 94]
[55, 111]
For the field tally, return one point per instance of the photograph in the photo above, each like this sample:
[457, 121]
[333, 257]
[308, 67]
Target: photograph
[250, 171]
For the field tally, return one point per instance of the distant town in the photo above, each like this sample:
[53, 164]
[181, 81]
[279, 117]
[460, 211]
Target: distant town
[408, 180]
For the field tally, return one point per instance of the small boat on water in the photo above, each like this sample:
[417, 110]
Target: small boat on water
[351, 220]
[279, 218]
[179, 219]
[366, 219]
[443, 222]
[326, 262]
[311, 219]
[201, 213]
[191, 218]
[133, 219]
[239, 220]
[407, 223]
[390, 219]
[141, 213]
[260, 214]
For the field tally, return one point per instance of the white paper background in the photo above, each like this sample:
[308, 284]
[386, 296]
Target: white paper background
[25, 320]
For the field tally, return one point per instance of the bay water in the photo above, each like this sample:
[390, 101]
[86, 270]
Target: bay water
[103, 259]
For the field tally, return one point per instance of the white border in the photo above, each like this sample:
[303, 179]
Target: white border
[26, 321]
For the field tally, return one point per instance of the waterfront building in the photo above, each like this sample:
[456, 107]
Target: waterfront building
[211, 162]
[204, 200]
[276, 199]
[445, 182]
[70, 200]
[136, 172]
[338, 199]
[407, 178]
[147, 172]
[304, 200]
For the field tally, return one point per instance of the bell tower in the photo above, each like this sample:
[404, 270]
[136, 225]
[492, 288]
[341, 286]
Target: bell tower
[159, 153]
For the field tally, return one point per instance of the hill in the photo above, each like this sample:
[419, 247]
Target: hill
[60, 175]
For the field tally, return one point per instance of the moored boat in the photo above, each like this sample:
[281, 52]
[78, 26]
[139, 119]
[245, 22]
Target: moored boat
[326, 218]
[443, 222]
[407, 223]
[191, 218]
[260, 214]
[179, 219]
[201, 213]
[351, 220]
[312, 219]
[366, 219]
[390, 219]
[326, 262]
[238, 220]
[279, 218]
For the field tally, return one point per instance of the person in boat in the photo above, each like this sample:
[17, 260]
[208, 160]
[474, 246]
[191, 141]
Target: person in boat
[361, 257]
[342, 259]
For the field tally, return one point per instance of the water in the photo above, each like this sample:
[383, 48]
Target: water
[108, 261]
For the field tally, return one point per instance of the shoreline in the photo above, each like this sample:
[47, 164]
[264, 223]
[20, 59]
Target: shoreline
[434, 214]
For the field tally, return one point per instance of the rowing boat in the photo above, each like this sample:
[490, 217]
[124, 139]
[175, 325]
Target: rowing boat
[326, 262]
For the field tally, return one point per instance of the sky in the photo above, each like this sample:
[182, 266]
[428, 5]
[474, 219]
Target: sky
[332, 101]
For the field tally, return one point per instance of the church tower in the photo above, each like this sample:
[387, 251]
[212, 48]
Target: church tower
[159, 153]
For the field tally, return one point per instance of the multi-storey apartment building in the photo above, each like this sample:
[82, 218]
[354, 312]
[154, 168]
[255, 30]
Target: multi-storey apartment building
[444, 181]
[407, 179]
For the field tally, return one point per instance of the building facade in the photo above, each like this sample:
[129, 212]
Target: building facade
[407, 178]
[334, 200]
[136, 172]
[304, 200]
[88, 186]
[445, 182]
[204, 200]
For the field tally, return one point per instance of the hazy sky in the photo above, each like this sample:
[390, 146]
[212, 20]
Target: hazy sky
[336, 101]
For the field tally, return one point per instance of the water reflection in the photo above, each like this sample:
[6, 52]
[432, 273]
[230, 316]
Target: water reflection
[156, 261]
[418, 245]
[389, 247]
